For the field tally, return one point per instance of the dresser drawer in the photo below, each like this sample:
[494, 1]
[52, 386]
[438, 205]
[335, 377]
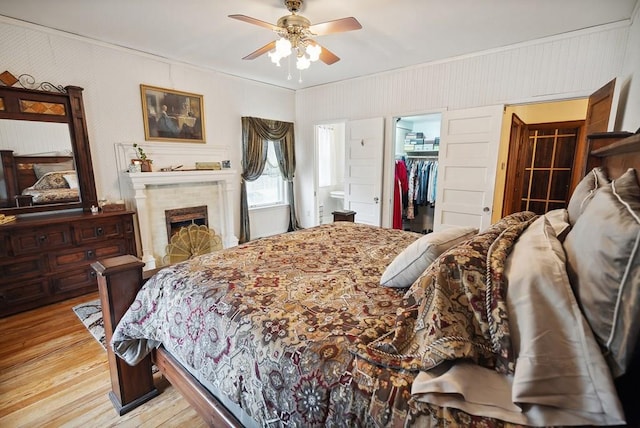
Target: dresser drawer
[18, 268]
[87, 254]
[107, 228]
[14, 295]
[74, 281]
[41, 239]
[3, 245]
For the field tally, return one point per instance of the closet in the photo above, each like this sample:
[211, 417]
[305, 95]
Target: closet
[417, 143]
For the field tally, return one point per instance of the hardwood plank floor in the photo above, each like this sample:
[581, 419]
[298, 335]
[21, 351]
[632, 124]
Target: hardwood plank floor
[53, 373]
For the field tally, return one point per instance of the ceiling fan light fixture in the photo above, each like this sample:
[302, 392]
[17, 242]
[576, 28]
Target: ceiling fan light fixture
[283, 47]
[314, 52]
[275, 58]
[295, 32]
[303, 62]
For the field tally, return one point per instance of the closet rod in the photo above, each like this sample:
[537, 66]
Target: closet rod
[422, 157]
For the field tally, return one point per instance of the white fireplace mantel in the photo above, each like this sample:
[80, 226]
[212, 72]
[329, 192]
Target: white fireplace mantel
[140, 182]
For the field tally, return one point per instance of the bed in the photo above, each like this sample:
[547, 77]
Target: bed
[351, 325]
[37, 180]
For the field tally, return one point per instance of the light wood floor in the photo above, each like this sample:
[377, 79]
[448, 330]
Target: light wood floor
[53, 373]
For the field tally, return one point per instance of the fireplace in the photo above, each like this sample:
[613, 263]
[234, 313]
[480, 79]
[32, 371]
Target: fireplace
[150, 194]
[181, 217]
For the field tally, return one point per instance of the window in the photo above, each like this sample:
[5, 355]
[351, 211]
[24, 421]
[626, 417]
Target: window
[269, 188]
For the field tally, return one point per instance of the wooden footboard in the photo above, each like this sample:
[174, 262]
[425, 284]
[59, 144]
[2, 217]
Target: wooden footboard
[119, 280]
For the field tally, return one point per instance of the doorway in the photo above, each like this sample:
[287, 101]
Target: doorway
[416, 150]
[330, 165]
[594, 111]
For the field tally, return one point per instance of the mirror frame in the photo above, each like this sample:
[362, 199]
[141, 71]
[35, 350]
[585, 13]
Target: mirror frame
[74, 116]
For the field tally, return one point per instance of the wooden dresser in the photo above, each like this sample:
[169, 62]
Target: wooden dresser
[47, 258]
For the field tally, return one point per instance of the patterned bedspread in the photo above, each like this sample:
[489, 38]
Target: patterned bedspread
[48, 196]
[283, 327]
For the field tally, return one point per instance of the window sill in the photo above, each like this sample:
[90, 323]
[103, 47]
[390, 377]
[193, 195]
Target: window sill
[266, 207]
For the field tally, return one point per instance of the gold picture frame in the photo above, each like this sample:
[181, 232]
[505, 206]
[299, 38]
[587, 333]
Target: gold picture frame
[171, 115]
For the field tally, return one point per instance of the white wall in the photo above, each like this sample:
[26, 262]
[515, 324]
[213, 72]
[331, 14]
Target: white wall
[628, 83]
[111, 79]
[561, 67]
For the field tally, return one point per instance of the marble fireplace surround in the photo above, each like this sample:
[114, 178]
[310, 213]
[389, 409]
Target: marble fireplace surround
[215, 188]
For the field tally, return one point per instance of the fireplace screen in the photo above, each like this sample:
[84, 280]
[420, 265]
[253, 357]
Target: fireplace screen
[188, 234]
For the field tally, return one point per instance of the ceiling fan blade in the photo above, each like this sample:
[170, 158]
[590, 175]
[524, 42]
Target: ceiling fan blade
[335, 26]
[254, 21]
[263, 50]
[327, 56]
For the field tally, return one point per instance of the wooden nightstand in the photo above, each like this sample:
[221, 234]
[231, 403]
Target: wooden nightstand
[343, 215]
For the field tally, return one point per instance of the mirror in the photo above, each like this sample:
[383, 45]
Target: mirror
[44, 148]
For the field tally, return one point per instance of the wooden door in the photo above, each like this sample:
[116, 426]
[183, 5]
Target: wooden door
[540, 170]
[469, 141]
[363, 170]
[597, 120]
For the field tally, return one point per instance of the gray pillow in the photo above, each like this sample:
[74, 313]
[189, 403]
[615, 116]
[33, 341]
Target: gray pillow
[603, 262]
[413, 260]
[40, 169]
[583, 192]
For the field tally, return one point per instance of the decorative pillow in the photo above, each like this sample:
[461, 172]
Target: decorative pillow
[52, 180]
[583, 192]
[603, 262]
[40, 169]
[413, 260]
[72, 180]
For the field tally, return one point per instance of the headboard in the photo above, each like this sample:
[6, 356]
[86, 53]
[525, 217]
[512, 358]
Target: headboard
[616, 151]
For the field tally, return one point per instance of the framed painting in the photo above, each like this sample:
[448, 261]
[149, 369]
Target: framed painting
[172, 115]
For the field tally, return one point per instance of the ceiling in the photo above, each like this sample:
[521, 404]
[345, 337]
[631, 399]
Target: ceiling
[395, 34]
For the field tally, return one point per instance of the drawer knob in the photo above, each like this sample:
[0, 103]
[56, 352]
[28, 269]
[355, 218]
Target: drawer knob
[42, 238]
[99, 231]
[93, 274]
[90, 254]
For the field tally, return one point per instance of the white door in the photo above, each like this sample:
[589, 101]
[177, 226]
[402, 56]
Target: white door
[363, 169]
[469, 141]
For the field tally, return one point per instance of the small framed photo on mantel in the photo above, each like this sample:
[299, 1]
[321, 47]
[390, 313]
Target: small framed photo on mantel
[171, 115]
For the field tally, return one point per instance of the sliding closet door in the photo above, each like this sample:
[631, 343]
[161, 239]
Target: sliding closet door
[469, 142]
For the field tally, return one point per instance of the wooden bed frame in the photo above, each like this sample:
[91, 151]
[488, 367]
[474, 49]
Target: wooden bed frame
[120, 278]
[19, 174]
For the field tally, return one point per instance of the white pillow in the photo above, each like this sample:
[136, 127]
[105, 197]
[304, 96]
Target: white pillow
[413, 260]
[72, 180]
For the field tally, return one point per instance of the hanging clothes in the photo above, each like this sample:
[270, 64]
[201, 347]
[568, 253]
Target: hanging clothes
[422, 179]
[400, 192]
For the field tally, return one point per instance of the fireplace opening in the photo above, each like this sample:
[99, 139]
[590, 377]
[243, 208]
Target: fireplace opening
[182, 217]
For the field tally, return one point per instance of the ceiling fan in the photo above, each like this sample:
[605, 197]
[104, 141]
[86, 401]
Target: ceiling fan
[296, 34]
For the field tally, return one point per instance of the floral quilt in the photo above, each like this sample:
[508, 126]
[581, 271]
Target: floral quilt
[284, 326]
